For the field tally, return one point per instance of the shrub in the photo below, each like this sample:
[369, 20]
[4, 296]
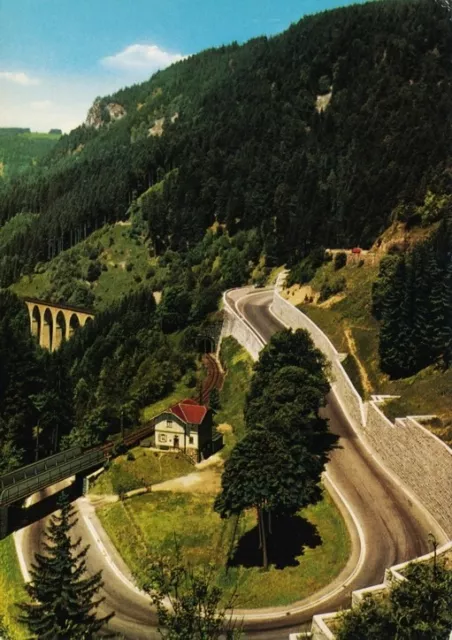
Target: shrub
[94, 271]
[150, 273]
[340, 260]
[331, 288]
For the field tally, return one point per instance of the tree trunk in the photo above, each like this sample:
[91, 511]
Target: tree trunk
[264, 540]
[270, 523]
[259, 527]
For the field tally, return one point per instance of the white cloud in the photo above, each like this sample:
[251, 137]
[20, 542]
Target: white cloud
[41, 105]
[18, 77]
[58, 102]
[141, 58]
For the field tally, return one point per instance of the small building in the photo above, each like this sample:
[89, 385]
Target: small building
[187, 426]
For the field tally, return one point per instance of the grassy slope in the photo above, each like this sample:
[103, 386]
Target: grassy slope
[147, 525]
[426, 392]
[181, 391]
[118, 250]
[11, 588]
[238, 366]
[148, 468]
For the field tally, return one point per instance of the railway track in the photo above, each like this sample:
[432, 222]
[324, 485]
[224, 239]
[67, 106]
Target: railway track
[214, 377]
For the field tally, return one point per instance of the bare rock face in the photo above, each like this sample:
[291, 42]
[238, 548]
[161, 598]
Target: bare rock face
[116, 111]
[99, 115]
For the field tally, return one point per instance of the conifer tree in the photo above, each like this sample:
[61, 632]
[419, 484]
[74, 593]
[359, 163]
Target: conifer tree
[63, 599]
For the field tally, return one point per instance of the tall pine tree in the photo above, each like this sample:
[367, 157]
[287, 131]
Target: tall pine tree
[64, 600]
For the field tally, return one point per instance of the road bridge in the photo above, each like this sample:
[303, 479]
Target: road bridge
[18, 485]
[24, 482]
[52, 323]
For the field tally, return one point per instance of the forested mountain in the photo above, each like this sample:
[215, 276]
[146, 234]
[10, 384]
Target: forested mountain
[224, 165]
[311, 137]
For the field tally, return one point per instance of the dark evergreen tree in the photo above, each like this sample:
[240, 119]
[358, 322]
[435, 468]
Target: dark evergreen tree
[63, 599]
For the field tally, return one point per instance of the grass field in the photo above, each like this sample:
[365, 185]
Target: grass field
[11, 588]
[238, 366]
[427, 392]
[147, 468]
[307, 553]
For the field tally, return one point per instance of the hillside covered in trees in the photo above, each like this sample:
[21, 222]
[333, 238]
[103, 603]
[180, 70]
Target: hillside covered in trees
[311, 137]
[214, 171]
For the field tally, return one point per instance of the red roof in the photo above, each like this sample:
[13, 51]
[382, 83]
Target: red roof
[189, 411]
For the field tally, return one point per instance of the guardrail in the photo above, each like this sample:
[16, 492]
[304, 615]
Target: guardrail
[53, 471]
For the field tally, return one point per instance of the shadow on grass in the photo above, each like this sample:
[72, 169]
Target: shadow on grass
[290, 535]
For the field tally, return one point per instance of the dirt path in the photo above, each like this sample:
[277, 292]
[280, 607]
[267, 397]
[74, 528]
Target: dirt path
[362, 372]
[207, 481]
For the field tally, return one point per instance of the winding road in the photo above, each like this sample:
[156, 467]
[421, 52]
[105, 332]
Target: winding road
[386, 528]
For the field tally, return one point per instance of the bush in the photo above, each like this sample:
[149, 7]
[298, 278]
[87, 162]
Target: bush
[130, 456]
[94, 271]
[305, 270]
[331, 288]
[340, 260]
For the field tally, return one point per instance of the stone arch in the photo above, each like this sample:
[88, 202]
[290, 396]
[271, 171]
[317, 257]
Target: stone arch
[88, 319]
[74, 323]
[46, 340]
[60, 329]
[35, 322]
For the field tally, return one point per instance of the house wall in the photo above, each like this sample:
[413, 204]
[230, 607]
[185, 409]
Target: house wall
[169, 426]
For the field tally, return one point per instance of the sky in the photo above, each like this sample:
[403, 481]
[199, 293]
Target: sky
[57, 56]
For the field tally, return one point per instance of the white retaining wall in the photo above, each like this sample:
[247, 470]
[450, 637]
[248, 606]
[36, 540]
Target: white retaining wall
[421, 461]
[235, 326]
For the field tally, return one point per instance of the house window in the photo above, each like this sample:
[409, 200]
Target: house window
[169, 423]
[191, 440]
[162, 437]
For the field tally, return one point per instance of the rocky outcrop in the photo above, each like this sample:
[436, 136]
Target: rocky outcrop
[100, 114]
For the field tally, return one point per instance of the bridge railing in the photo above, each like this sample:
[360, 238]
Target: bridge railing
[50, 475]
[35, 468]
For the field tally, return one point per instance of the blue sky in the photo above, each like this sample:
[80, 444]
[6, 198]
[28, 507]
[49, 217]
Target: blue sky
[56, 56]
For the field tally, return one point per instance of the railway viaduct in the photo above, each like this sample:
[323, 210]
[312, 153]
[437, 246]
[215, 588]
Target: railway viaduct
[52, 323]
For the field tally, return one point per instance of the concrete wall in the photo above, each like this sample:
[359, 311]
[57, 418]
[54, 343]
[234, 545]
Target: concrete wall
[235, 326]
[417, 458]
[320, 628]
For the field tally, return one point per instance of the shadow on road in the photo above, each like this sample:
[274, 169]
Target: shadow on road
[20, 517]
[291, 534]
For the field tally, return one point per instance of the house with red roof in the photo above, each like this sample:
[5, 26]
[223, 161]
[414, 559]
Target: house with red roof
[187, 426]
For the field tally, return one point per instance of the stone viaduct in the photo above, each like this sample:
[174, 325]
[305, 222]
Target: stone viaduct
[52, 323]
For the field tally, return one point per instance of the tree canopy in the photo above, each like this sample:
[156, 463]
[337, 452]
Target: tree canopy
[64, 599]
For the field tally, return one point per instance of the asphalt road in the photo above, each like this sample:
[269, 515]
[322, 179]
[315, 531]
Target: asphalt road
[394, 530]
